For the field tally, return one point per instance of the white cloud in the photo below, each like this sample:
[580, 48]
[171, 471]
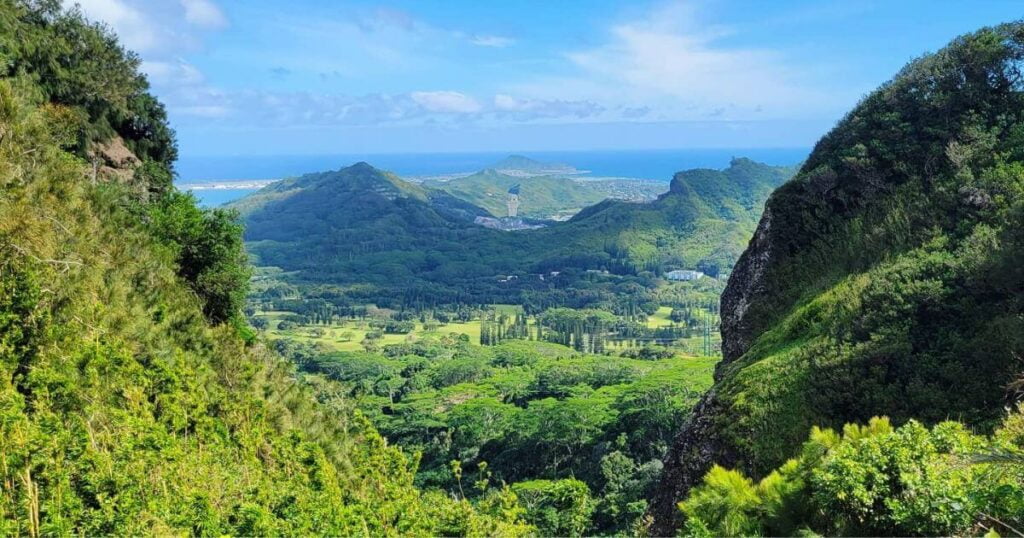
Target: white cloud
[491, 41]
[533, 109]
[507, 102]
[683, 69]
[204, 13]
[204, 111]
[446, 101]
[155, 27]
[261, 109]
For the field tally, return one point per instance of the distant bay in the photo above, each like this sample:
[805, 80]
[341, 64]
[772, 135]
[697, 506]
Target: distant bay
[641, 164]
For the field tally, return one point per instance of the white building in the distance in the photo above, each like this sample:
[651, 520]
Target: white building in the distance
[684, 275]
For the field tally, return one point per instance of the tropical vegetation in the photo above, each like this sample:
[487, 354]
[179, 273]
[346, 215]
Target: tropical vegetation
[133, 399]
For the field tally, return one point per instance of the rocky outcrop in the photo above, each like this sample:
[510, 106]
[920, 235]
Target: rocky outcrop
[698, 446]
[113, 161]
[745, 284]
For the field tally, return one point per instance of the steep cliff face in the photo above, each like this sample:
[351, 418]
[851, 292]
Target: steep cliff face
[884, 279]
[745, 284]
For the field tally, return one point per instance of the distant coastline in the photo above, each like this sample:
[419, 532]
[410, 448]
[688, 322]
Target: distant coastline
[228, 184]
[657, 164]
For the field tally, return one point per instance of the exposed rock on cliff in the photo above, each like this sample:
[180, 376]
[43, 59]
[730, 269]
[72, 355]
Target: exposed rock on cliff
[113, 161]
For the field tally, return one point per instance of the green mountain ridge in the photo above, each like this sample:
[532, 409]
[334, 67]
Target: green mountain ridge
[541, 196]
[338, 230]
[884, 279]
[356, 196]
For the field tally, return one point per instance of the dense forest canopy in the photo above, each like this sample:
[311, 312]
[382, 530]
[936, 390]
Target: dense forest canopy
[525, 413]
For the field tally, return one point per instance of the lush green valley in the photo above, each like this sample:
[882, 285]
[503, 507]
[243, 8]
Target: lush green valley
[574, 409]
[759, 350]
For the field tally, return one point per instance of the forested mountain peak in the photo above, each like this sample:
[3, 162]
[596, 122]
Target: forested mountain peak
[744, 180]
[358, 196]
[884, 279]
[362, 176]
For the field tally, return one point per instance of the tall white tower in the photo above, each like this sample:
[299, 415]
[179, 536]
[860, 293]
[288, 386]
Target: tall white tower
[513, 201]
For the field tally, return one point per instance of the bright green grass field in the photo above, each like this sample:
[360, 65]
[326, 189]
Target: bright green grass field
[346, 335]
[660, 318]
[508, 309]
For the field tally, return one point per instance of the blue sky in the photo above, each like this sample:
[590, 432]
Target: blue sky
[263, 77]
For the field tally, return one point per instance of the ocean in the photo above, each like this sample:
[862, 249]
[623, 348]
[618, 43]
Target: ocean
[647, 164]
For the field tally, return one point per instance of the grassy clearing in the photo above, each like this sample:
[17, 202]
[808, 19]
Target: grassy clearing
[507, 309]
[347, 335]
[661, 318]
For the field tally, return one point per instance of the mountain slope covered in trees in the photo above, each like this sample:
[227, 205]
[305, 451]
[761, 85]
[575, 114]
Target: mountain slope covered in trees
[133, 400]
[544, 196]
[884, 279]
[379, 239]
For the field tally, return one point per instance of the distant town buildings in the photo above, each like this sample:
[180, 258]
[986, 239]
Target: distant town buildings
[684, 275]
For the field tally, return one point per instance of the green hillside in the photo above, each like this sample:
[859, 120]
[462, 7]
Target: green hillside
[544, 197]
[540, 196]
[133, 400]
[884, 279]
[704, 221]
[375, 239]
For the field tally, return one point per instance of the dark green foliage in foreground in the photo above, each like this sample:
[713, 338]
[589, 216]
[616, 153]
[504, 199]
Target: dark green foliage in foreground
[556, 507]
[874, 480]
[377, 239]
